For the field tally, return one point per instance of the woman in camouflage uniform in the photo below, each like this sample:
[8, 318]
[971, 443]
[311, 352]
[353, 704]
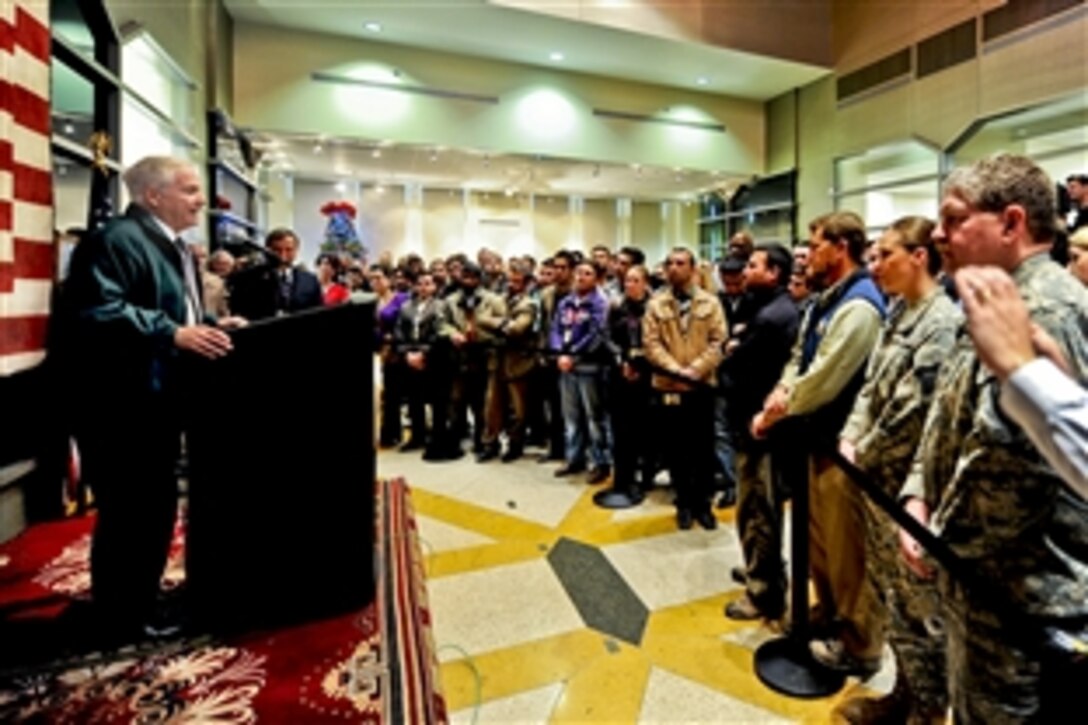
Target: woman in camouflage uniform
[880, 437]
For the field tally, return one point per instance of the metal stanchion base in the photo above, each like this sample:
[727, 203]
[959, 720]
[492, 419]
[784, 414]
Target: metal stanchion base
[617, 499]
[785, 665]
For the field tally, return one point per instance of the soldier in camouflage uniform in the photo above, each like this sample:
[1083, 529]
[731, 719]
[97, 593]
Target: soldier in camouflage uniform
[880, 437]
[996, 503]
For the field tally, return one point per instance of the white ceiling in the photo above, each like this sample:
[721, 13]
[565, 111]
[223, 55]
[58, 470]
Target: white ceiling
[482, 29]
[376, 163]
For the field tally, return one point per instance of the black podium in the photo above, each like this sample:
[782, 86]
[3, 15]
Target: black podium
[281, 472]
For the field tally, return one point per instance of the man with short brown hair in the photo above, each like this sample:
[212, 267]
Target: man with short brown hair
[820, 382]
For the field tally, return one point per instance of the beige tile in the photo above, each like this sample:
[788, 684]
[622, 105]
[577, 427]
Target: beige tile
[435, 535]
[499, 607]
[670, 698]
[534, 706]
[677, 567]
[525, 488]
[658, 502]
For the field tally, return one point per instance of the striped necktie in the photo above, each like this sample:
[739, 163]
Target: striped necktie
[193, 312]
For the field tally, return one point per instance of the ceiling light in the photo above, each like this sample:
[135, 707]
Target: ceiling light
[701, 81]
[509, 192]
[376, 154]
[373, 27]
[434, 156]
[69, 128]
[317, 148]
[379, 188]
[556, 56]
[341, 187]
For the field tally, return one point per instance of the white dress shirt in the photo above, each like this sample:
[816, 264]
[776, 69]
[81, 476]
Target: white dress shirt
[1053, 411]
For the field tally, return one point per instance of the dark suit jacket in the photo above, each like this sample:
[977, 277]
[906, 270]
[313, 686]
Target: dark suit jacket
[750, 372]
[122, 303]
[305, 292]
[407, 337]
[255, 292]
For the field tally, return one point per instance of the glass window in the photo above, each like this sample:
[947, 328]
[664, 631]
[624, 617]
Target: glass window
[145, 134]
[887, 182]
[154, 81]
[71, 192]
[879, 208]
[72, 102]
[67, 20]
[884, 165]
[1054, 134]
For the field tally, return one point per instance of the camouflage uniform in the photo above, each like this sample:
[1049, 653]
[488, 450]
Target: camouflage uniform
[1003, 510]
[884, 427]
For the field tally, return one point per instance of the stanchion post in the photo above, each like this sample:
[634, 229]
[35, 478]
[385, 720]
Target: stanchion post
[785, 664]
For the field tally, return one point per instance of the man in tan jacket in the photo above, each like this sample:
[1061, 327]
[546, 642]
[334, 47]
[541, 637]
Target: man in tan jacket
[510, 367]
[683, 333]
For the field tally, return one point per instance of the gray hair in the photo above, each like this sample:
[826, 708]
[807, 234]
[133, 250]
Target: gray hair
[221, 255]
[995, 183]
[520, 267]
[153, 172]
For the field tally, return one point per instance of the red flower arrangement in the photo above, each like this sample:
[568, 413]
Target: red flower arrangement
[338, 207]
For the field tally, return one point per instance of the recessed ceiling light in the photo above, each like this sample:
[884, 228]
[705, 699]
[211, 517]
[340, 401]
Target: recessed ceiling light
[556, 56]
[373, 27]
[701, 81]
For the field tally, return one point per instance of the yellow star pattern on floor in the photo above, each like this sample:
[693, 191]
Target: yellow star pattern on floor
[514, 649]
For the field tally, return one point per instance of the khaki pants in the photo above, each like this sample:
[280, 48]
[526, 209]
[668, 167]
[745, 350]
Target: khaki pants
[837, 531]
[505, 396]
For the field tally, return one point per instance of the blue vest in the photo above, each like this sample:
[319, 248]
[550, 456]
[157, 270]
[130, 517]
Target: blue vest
[860, 285]
[826, 422]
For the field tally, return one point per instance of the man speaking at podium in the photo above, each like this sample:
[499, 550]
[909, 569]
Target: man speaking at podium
[132, 303]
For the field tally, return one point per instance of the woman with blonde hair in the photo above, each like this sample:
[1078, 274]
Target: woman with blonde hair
[1078, 254]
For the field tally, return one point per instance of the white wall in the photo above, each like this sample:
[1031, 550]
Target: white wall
[439, 222]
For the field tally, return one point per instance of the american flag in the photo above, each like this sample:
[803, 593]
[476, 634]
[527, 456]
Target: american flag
[27, 252]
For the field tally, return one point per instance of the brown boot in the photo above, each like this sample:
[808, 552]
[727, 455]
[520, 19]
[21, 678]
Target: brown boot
[891, 709]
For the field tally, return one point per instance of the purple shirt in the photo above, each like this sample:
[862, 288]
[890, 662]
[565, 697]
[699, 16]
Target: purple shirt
[580, 323]
[387, 315]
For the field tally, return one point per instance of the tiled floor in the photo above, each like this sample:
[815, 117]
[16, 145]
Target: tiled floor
[548, 609]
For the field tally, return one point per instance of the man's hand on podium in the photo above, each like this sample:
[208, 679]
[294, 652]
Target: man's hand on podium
[204, 340]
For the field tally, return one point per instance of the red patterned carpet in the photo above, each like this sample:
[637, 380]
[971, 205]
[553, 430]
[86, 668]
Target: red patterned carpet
[375, 666]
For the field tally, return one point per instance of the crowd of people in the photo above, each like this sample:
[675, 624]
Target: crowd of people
[838, 348]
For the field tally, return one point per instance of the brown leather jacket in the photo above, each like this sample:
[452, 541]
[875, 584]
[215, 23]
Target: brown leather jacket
[517, 356]
[673, 344]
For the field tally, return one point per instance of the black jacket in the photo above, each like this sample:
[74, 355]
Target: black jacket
[411, 334]
[749, 373]
[625, 330]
